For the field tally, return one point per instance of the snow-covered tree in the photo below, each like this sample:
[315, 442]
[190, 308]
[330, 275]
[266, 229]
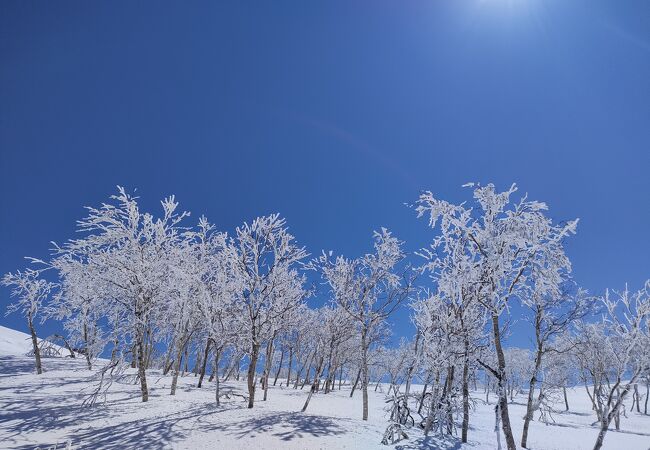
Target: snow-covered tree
[553, 312]
[369, 289]
[76, 304]
[504, 240]
[271, 286]
[30, 291]
[128, 253]
[624, 337]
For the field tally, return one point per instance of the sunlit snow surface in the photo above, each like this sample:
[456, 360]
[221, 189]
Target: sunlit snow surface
[44, 411]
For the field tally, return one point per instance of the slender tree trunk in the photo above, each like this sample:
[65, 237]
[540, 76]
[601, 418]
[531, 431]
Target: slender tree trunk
[647, 395]
[314, 385]
[204, 362]
[307, 364]
[411, 369]
[186, 356]
[364, 374]
[267, 367]
[149, 352]
[134, 355]
[197, 362]
[356, 381]
[86, 341]
[144, 391]
[604, 426]
[503, 397]
[636, 392]
[341, 377]
[432, 405]
[116, 344]
[424, 391]
[168, 362]
[37, 351]
[255, 351]
[306, 380]
[289, 366]
[465, 394]
[217, 353]
[566, 400]
[531, 392]
[607, 418]
[177, 366]
[447, 393]
[235, 359]
[277, 374]
[329, 371]
[592, 398]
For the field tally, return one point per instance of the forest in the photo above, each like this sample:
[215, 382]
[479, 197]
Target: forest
[141, 291]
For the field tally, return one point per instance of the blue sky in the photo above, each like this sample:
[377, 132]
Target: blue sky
[334, 114]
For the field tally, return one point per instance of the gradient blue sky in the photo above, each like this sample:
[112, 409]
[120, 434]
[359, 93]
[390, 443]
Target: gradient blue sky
[333, 113]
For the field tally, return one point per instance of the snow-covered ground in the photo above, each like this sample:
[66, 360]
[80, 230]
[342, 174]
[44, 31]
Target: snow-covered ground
[46, 410]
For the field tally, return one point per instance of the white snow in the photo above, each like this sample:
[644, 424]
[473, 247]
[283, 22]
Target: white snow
[44, 411]
[14, 342]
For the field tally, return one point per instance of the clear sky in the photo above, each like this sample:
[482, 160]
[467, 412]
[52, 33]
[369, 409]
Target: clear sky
[333, 113]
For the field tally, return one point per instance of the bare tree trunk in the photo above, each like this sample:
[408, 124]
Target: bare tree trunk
[447, 392]
[168, 362]
[607, 418]
[149, 351]
[255, 351]
[356, 381]
[636, 392]
[86, 341]
[647, 394]
[177, 367]
[267, 367]
[204, 363]
[309, 358]
[37, 351]
[306, 380]
[197, 362]
[277, 374]
[364, 372]
[465, 394]
[217, 353]
[341, 377]
[531, 392]
[424, 391]
[434, 393]
[186, 355]
[134, 356]
[234, 361]
[314, 385]
[329, 371]
[411, 369]
[289, 368]
[503, 395]
[566, 400]
[144, 391]
[601, 435]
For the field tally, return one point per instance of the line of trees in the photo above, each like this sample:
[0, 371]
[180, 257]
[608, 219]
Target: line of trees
[155, 292]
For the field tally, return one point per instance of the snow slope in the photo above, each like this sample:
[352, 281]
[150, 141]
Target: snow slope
[46, 410]
[17, 343]
[14, 342]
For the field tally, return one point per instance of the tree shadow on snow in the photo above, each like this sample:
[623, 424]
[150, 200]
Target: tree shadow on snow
[286, 426]
[430, 442]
